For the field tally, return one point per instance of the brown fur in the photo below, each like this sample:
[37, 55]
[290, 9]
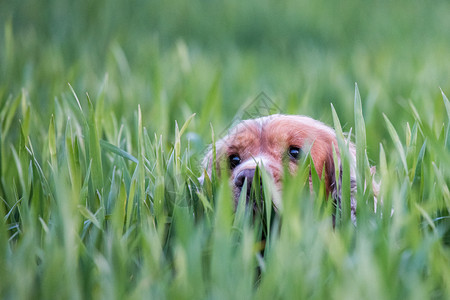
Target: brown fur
[266, 140]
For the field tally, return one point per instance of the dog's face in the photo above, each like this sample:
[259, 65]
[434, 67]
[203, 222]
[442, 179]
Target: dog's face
[274, 142]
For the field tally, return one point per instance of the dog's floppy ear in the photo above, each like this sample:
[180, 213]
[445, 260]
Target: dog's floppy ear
[334, 184]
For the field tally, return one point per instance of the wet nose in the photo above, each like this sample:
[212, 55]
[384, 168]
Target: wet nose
[240, 179]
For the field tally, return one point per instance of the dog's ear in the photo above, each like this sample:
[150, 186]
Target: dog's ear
[333, 179]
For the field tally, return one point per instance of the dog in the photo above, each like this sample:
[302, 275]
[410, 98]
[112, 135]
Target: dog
[274, 142]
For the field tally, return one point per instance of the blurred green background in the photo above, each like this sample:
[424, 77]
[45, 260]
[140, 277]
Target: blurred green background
[84, 219]
[174, 57]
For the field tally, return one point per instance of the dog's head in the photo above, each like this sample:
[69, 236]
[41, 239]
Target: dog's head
[274, 142]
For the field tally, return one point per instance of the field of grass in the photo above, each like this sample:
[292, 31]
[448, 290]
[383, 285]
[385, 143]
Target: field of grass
[106, 108]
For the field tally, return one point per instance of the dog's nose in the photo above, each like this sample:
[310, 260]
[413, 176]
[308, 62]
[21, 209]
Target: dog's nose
[240, 179]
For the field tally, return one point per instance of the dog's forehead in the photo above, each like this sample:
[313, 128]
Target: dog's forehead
[243, 136]
[297, 123]
[275, 131]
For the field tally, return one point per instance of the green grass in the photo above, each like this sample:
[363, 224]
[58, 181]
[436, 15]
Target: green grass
[106, 108]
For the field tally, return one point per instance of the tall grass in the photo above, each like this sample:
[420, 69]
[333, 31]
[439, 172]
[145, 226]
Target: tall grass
[99, 190]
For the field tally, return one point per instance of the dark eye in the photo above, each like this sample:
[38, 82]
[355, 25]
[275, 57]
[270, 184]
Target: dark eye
[234, 160]
[294, 152]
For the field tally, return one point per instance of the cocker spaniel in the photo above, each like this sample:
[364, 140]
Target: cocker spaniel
[277, 141]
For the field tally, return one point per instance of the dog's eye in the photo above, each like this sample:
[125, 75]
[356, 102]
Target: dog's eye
[294, 152]
[234, 160]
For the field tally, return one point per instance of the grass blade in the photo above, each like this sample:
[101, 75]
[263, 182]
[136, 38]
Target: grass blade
[52, 144]
[94, 148]
[397, 143]
[360, 141]
[116, 150]
[447, 108]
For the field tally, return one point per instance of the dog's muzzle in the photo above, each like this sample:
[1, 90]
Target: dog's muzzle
[240, 179]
